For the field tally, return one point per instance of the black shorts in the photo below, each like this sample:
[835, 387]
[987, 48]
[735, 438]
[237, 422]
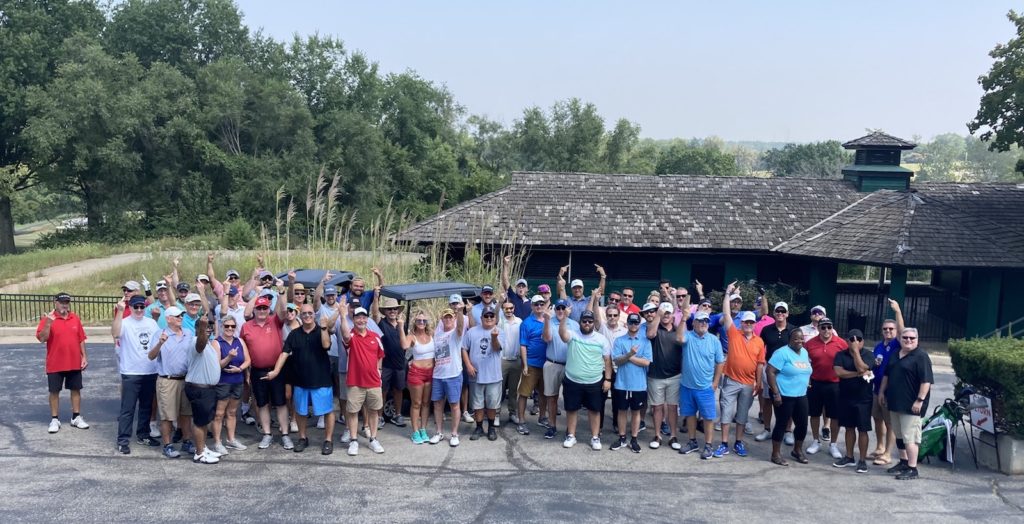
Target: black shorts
[576, 395]
[855, 415]
[229, 391]
[203, 401]
[70, 380]
[633, 400]
[393, 379]
[267, 391]
[823, 395]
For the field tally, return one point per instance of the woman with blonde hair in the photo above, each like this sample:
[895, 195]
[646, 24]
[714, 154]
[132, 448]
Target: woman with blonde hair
[421, 372]
[234, 360]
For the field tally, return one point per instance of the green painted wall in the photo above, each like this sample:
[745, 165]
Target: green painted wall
[983, 302]
[741, 268]
[897, 289]
[822, 286]
[1013, 297]
[869, 184]
[676, 268]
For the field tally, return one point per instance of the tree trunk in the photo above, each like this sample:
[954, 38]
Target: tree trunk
[6, 226]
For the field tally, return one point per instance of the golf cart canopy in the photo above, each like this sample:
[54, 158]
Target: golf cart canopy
[311, 278]
[428, 290]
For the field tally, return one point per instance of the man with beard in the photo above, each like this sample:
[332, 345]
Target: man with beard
[357, 290]
[823, 394]
[395, 367]
[588, 376]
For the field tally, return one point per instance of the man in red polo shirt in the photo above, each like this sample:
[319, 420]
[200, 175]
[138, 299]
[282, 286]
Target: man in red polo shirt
[262, 335]
[61, 331]
[823, 395]
[365, 357]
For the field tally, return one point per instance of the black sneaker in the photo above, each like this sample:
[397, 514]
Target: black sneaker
[492, 434]
[248, 418]
[124, 449]
[843, 462]
[550, 433]
[477, 433]
[862, 467]
[908, 474]
[327, 448]
[826, 434]
[900, 467]
[618, 444]
[149, 441]
[301, 445]
[643, 425]
[634, 446]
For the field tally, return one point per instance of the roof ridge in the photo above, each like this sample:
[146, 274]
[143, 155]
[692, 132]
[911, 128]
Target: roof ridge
[829, 218]
[445, 212]
[903, 239]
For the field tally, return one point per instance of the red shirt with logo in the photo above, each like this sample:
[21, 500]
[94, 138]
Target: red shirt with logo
[264, 342]
[64, 345]
[364, 354]
[823, 355]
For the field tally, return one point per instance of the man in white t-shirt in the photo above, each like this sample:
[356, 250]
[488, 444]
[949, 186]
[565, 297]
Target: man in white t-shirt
[481, 354]
[448, 371]
[511, 363]
[134, 336]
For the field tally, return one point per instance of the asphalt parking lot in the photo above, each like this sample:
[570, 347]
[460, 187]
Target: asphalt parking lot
[78, 475]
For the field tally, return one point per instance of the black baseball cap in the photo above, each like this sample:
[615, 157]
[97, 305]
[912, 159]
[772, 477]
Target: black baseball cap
[63, 296]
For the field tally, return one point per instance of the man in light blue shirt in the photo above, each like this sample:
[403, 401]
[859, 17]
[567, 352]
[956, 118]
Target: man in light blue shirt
[703, 360]
[631, 353]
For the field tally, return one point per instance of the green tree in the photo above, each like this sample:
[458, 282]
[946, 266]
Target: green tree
[814, 160]
[532, 140]
[619, 145]
[1001, 111]
[943, 159]
[576, 132]
[683, 158]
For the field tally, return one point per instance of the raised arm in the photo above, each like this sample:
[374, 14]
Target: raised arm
[604, 278]
[460, 318]
[202, 337]
[563, 332]
[175, 279]
[726, 312]
[318, 293]
[291, 288]
[545, 334]
[115, 328]
[279, 306]
[560, 282]
[375, 307]
[218, 289]
[325, 333]
[764, 301]
[506, 261]
[899, 316]
[346, 332]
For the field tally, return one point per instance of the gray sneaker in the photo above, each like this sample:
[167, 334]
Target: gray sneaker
[376, 447]
[398, 421]
[346, 437]
[266, 441]
[219, 448]
[286, 442]
[235, 444]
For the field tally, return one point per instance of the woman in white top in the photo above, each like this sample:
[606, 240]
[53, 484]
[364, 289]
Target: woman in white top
[421, 373]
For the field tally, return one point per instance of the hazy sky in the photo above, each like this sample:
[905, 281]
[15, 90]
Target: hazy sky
[774, 71]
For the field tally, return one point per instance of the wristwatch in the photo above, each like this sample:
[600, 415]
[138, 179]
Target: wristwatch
[919, 399]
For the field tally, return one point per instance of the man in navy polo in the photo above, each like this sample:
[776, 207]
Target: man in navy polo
[520, 296]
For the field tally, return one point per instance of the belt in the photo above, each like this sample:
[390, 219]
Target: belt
[181, 377]
[555, 362]
[512, 359]
[268, 370]
[200, 386]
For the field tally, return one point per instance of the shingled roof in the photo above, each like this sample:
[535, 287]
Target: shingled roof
[879, 140]
[938, 225]
[680, 212]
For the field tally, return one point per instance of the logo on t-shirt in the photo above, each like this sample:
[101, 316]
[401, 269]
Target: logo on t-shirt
[485, 344]
[144, 341]
[442, 353]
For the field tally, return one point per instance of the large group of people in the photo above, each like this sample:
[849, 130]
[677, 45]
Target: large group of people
[195, 359]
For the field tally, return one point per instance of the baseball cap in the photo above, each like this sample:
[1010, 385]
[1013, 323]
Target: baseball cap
[487, 289]
[202, 277]
[174, 311]
[298, 287]
[782, 305]
[705, 301]
[330, 290]
[63, 296]
[855, 333]
[455, 298]
[161, 285]
[183, 286]
[137, 299]
[543, 288]
[522, 282]
[291, 306]
[576, 283]
[131, 285]
[232, 291]
[232, 273]
[735, 296]
[701, 316]
[537, 299]
[488, 311]
[633, 318]
[265, 274]
[748, 316]
[648, 307]
[359, 311]
[819, 308]
[192, 297]
[587, 314]
[562, 302]
[825, 321]
[666, 307]
[262, 301]
[447, 312]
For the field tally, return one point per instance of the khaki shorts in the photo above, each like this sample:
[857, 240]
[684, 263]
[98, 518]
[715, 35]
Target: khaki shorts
[171, 400]
[554, 375]
[878, 411]
[530, 382]
[906, 426]
[373, 398]
[661, 391]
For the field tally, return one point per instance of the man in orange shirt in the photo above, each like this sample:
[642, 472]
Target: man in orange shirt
[61, 331]
[741, 381]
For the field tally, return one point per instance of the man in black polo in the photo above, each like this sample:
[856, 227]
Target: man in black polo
[905, 390]
[853, 367]
[395, 366]
[774, 335]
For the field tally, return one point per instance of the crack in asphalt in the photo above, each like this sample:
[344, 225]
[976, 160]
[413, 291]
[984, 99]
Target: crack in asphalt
[998, 493]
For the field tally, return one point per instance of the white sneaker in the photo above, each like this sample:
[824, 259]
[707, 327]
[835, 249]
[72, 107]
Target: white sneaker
[220, 449]
[376, 447]
[320, 422]
[436, 438]
[514, 418]
[266, 441]
[235, 444]
[366, 431]
[748, 428]
[353, 448]
[205, 458]
[497, 421]
[655, 444]
[346, 437]
[834, 451]
[293, 427]
[763, 436]
[788, 438]
[467, 417]
[213, 453]
[814, 447]
[718, 426]
[595, 443]
[54, 425]
[454, 441]
[286, 442]
[570, 441]
[79, 422]
[154, 429]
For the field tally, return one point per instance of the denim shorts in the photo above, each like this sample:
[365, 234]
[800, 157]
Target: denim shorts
[447, 387]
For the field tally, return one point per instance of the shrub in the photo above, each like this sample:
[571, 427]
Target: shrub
[995, 367]
[239, 235]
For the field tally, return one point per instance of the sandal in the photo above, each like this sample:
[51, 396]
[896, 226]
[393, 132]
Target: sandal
[876, 453]
[882, 461]
[799, 457]
[779, 461]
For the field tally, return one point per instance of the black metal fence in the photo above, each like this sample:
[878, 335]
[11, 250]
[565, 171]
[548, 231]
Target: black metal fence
[23, 310]
[938, 314]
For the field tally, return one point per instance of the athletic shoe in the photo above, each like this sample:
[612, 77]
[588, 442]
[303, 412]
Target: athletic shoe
[286, 442]
[748, 428]
[248, 418]
[234, 444]
[900, 467]
[550, 433]
[691, 446]
[170, 452]
[211, 452]
[454, 441]
[54, 425]
[674, 444]
[467, 417]
[595, 443]
[522, 429]
[497, 421]
[366, 431]
[722, 450]
[477, 433]
[154, 429]
[327, 448]
[266, 441]
[544, 422]
[707, 453]
[205, 458]
[492, 434]
[834, 450]
[149, 441]
[514, 418]
[436, 438]
[618, 444]
[763, 436]
[301, 445]
[124, 449]
[656, 443]
[570, 441]
[353, 448]
[634, 446]
[346, 437]
[826, 434]
[398, 421]
[814, 447]
[862, 467]
[376, 447]
[788, 438]
[908, 474]
[842, 462]
[739, 448]
[718, 426]
[79, 422]
[320, 422]
[340, 420]
[416, 438]
[534, 410]
[293, 427]
[643, 425]
[664, 429]
[188, 447]
[219, 448]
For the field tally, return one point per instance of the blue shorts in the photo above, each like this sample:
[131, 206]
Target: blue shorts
[447, 387]
[322, 399]
[693, 400]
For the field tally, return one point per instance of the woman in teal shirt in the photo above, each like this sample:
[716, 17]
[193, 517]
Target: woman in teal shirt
[789, 372]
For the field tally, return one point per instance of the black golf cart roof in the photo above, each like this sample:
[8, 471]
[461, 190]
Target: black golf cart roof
[311, 278]
[428, 290]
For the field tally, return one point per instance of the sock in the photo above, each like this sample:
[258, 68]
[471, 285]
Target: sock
[54, 417]
[490, 423]
[738, 442]
[73, 415]
[904, 462]
[480, 425]
[914, 469]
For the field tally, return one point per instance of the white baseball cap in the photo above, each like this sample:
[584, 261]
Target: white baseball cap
[576, 283]
[666, 307]
[747, 316]
[782, 305]
[536, 299]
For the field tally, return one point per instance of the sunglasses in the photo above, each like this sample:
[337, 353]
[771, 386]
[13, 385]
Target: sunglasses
[421, 321]
[680, 297]
[612, 316]
[747, 322]
[587, 321]
[781, 311]
[538, 304]
[229, 326]
[614, 299]
[627, 296]
[819, 313]
[909, 338]
[633, 322]
[825, 327]
[233, 277]
[856, 339]
[888, 329]
[306, 314]
[139, 306]
[560, 308]
[489, 315]
[263, 308]
[701, 320]
[509, 309]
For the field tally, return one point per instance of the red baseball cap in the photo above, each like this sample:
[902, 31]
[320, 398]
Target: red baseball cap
[263, 301]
